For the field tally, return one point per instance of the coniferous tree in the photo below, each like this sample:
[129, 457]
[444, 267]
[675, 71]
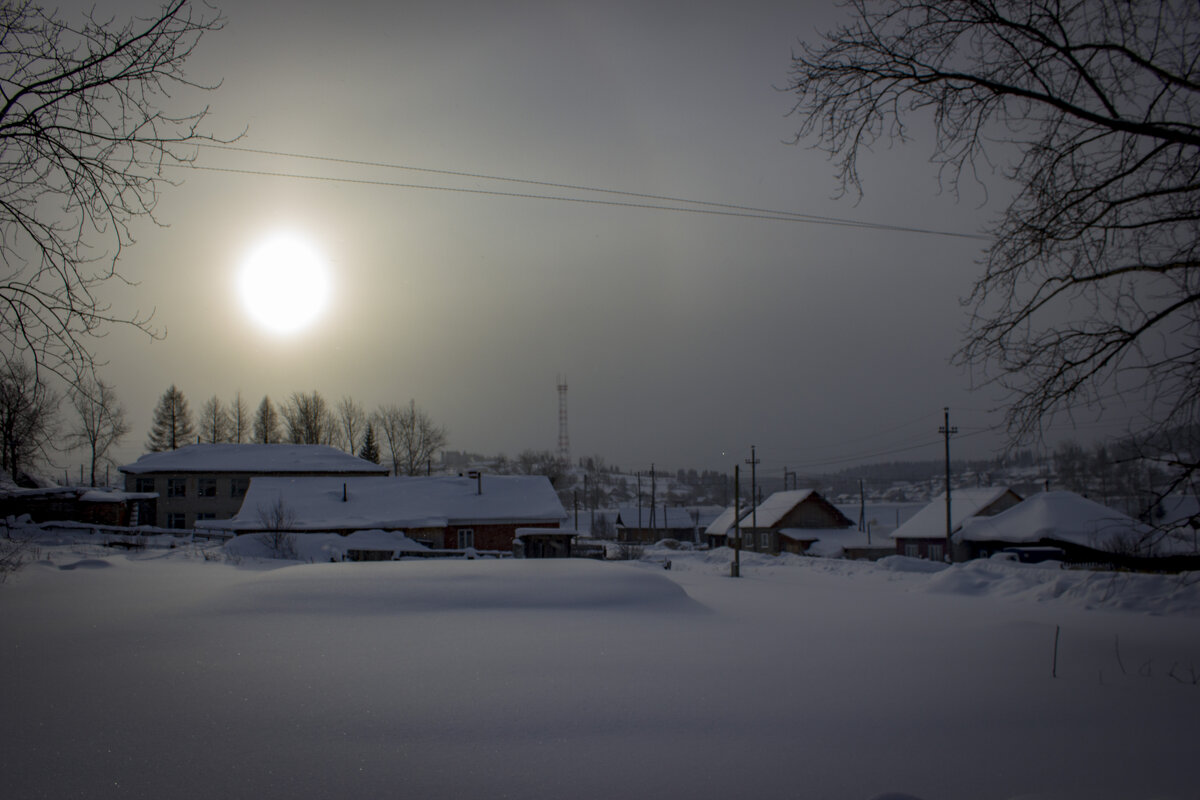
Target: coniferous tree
[239, 420]
[172, 427]
[215, 423]
[370, 447]
[266, 423]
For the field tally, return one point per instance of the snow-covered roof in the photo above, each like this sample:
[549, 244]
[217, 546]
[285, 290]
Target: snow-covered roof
[724, 522]
[775, 507]
[268, 458]
[670, 518]
[1060, 516]
[316, 504]
[771, 511]
[930, 521]
[84, 494]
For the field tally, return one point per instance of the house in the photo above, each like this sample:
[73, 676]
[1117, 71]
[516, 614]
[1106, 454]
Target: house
[482, 512]
[1076, 529]
[791, 522]
[209, 481]
[924, 534]
[651, 524]
[717, 532]
[79, 504]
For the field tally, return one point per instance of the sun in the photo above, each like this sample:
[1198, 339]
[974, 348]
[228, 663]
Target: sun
[284, 283]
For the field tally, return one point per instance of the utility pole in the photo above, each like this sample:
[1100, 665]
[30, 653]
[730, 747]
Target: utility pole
[735, 569]
[947, 432]
[653, 492]
[575, 499]
[639, 479]
[753, 462]
[862, 506]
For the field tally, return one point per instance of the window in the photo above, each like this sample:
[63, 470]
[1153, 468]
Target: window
[143, 485]
[206, 487]
[176, 519]
[466, 538]
[764, 541]
[206, 515]
[912, 549]
[176, 487]
[238, 487]
[935, 552]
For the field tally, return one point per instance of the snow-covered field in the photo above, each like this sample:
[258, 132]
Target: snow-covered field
[162, 674]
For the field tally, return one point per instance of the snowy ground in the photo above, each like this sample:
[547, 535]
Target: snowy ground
[162, 674]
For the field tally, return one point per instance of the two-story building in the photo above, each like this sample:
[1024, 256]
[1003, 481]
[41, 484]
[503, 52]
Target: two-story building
[209, 481]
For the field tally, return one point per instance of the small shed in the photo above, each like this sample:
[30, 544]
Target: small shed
[544, 542]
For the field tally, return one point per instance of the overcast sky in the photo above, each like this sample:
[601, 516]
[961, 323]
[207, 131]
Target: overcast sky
[685, 338]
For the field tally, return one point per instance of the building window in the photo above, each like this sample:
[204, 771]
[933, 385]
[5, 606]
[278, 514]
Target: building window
[935, 552]
[912, 549]
[466, 538]
[206, 487]
[764, 541]
[206, 515]
[176, 519]
[143, 484]
[238, 487]
[176, 487]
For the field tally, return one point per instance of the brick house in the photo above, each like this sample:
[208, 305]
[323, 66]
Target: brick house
[209, 481]
[441, 512]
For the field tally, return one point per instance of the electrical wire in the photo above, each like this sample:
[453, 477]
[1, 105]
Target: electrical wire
[704, 206]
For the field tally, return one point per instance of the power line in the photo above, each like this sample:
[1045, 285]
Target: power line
[706, 206]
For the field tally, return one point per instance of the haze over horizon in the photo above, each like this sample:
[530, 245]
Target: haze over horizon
[685, 336]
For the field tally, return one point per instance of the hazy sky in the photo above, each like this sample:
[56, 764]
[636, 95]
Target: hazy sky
[685, 338]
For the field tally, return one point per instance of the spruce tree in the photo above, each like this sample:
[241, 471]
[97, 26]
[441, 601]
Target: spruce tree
[266, 423]
[172, 427]
[370, 448]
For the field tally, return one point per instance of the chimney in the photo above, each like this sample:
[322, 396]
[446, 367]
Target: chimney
[478, 476]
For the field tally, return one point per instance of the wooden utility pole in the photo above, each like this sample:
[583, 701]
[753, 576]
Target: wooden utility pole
[639, 492]
[753, 462]
[735, 569]
[862, 506]
[947, 431]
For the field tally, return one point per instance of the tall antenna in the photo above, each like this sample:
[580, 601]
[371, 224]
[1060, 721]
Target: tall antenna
[564, 441]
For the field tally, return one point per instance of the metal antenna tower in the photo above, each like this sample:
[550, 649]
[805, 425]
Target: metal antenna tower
[564, 441]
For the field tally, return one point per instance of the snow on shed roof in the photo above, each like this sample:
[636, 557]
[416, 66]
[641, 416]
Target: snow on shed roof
[268, 458]
[1061, 516]
[315, 503]
[930, 521]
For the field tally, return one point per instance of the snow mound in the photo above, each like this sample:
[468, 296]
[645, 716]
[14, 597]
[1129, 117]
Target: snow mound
[454, 585]
[909, 564]
[322, 547]
[1127, 591]
[86, 563]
